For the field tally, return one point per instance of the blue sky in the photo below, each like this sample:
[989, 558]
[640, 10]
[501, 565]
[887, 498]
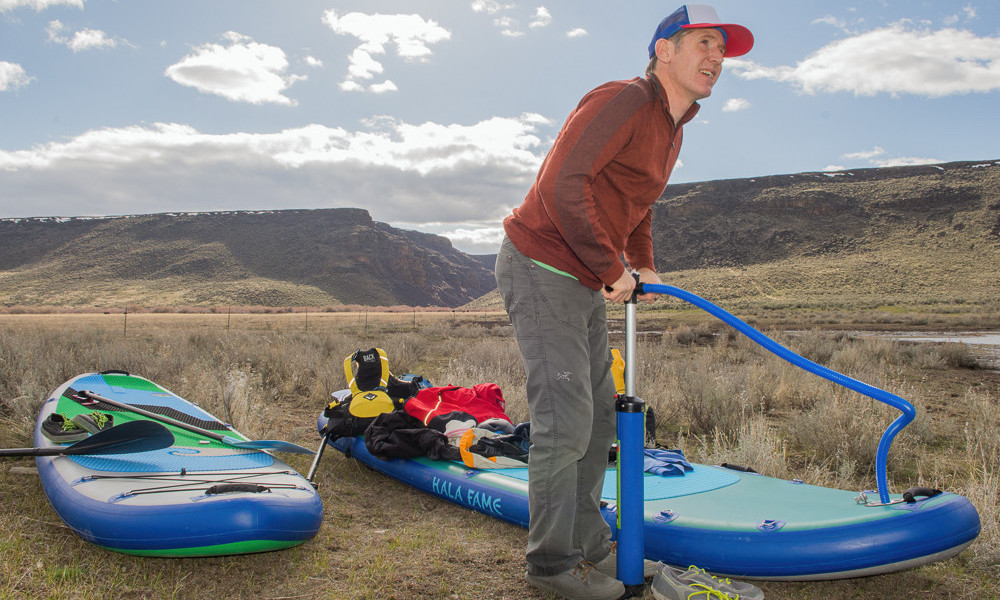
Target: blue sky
[435, 115]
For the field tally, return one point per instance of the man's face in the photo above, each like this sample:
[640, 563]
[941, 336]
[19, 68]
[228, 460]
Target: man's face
[696, 63]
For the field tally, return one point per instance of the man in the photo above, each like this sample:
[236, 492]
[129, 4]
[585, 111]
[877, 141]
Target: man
[561, 260]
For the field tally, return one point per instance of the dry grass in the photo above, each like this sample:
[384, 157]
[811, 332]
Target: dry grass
[716, 395]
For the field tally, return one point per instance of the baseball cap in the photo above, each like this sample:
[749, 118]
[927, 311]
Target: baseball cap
[738, 38]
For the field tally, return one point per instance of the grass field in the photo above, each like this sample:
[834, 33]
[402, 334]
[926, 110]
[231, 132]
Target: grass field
[716, 395]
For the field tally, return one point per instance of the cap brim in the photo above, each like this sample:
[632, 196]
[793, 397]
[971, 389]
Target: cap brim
[739, 40]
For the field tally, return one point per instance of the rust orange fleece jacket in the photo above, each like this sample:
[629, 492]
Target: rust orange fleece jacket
[591, 202]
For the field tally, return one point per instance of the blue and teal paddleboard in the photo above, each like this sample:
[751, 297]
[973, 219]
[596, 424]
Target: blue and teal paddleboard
[728, 521]
[199, 497]
[733, 522]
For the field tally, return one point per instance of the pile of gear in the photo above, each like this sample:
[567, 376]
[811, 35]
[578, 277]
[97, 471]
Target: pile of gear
[407, 417]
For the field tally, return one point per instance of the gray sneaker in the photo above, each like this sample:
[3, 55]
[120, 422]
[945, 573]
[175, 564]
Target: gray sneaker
[671, 583]
[94, 422]
[609, 564]
[61, 430]
[582, 582]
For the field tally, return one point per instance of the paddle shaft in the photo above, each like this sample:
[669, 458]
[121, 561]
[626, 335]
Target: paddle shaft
[152, 415]
[127, 438]
[56, 451]
[276, 445]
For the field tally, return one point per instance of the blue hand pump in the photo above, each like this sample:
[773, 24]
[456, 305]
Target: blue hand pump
[631, 412]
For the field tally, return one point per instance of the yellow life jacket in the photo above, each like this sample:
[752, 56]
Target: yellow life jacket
[367, 370]
[618, 373]
[618, 370]
[367, 374]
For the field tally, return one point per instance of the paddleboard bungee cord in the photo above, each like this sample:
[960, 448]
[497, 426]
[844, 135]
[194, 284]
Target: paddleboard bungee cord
[907, 410]
[184, 482]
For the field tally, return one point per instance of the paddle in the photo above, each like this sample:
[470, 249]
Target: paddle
[127, 438]
[276, 445]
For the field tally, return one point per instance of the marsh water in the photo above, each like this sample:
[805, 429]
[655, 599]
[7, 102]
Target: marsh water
[977, 338]
[986, 344]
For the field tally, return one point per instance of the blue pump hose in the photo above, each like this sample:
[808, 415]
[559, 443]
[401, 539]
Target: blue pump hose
[907, 410]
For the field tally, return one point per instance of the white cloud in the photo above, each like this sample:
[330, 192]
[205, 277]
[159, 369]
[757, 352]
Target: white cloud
[894, 60]
[12, 76]
[865, 154]
[312, 61]
[490, 7]
[410, 34]
[543, 18]
[38, 5]
[968, 10]
[871, 156]
[488, 236]
[471, 237]
[468, 173]
[735, 105]
[829, 168]
[508, 25]
[381, 88]
[905, 161]
[362, 66]
[476, 240]
[832, 21]
[242, 71]
[85, 39]
[351, 86]
[577, 32]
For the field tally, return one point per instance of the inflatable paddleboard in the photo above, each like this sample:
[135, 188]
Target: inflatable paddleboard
[199, 497]
[728, 521]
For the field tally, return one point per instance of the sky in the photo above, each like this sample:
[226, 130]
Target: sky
[435, 115]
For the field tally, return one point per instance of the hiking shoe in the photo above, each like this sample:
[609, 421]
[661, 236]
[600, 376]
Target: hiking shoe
[744, 590]
[671, 583]
[94, 422]
[59, 429]
[609, 565]
[582, 582]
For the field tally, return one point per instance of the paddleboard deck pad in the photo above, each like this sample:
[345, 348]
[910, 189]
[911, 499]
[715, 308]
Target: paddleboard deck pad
[199, 497]
[727, 521]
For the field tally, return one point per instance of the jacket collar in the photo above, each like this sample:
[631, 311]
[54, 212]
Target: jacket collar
[661, 93]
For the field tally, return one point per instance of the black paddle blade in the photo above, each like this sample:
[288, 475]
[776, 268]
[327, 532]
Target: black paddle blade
[127, 438]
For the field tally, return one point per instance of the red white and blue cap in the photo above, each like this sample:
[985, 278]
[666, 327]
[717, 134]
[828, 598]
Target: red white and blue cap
[738, 38]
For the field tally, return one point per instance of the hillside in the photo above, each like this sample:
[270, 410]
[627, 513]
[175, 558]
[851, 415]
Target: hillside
[853, 239]
[857, 239]
[271, 258]
[895, 235]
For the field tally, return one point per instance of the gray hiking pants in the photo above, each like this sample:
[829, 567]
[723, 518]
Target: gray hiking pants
[561, 329]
